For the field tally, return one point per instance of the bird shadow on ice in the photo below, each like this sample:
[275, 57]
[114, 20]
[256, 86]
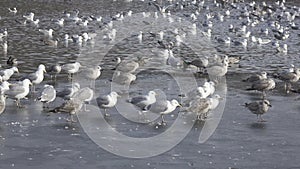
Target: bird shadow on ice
[258, 125]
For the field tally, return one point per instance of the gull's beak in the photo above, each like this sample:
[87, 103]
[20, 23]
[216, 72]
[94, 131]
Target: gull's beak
[270, 105]
[180, 105]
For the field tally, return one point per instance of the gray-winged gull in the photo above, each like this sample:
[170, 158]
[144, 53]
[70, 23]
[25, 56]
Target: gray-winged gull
[91, 74]
[71, 68]
[48, 95]
[169, 108]
[38, 76]
[289, 77]
[144, 101]
[4, 86]
[259, 108]
[2, 103]
[7, 73]
[123, 78]
[19, 91]
[217, 71]
[85, 95]
[54, 70]
[107, 101]
[127, 65]
[68, 91]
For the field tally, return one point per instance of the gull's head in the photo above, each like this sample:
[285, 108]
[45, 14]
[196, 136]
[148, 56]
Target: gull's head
[218, 97]
[42, 68]
[77, 85]
[264, 74]
[15, 69]
[27, 82]
[175, 103]
[152, 93]
[98, 67]
[266, 102]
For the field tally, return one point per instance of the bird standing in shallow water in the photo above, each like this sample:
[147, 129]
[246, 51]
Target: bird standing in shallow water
[259, 108]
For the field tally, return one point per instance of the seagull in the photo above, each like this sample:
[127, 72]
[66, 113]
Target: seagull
[4, 86]
[289, 77]
[256, 77]
[85, 95]
[29, 17]
[200, 63]
[18, 91]
[209, 88]
[71, 68]
[54, 70]
[91, 74]
[7, 73]
[71, 106]
[129, 66]
[123, 78]
[174, 61]
[144, 101]
[263, 85]
[47, 95]
[38, 76]
[259, 108]
[107, 101]
[2, 103]
[161, 9]
[200, 107]
[11, 61]
[68, 91]
[60, 22]
[13, 10]
[217, 71]
[170, 107]
[47, 33]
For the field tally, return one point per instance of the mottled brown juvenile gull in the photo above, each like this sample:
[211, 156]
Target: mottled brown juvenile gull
[263, 85]
[47, 95]
[107, 101]
[259, 108]
[19, 91]
[71, 106]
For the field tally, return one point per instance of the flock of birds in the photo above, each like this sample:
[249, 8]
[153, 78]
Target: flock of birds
[258, 24]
